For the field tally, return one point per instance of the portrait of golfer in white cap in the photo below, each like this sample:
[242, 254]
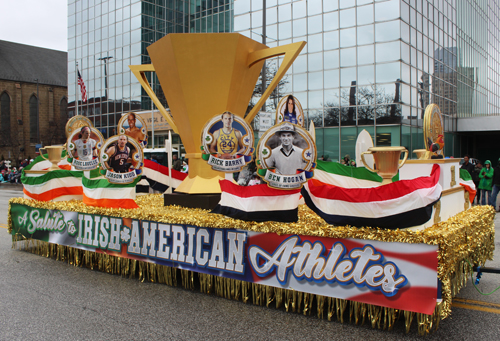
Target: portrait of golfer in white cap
[287, 157]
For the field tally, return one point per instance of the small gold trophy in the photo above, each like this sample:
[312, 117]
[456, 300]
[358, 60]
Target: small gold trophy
[55, 155]
[387, 161]
[420, 153]
[204, 74]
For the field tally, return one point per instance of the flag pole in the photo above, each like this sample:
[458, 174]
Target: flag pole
[83, 112]
[76, 88]
[86, 102]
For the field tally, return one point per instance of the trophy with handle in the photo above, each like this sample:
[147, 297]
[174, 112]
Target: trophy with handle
[54, 156]
[202, 75]
[387, 161]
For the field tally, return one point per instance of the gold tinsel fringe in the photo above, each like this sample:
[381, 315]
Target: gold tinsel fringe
[466, 237]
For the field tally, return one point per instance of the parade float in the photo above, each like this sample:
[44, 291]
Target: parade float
[368, 246]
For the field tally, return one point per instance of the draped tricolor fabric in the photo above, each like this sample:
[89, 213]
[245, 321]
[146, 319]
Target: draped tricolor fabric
[258, 203]
[334, 173]
[157, 176]
[93, 189]
[101, 193]
[400, 204]
[57, 185]
[466, 181]
[61, 185]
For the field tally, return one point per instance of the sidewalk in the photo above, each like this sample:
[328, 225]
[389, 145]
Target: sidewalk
[12, 187]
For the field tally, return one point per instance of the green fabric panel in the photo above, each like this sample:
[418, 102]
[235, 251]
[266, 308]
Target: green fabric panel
[464, 175]
[353, 172]
[95, 173]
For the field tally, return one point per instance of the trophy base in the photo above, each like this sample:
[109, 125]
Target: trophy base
[54, 167]
[203, 201]
[195, 183]
[36, 171]
[387, 180]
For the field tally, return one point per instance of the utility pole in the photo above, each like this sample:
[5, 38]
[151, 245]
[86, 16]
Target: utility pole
[76, 89]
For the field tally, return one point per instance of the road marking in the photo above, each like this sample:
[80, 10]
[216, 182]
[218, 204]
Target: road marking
[476, 305]
[5, 226]
[468, 301]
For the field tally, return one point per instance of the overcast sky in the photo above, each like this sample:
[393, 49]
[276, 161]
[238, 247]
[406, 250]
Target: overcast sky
[40, 23]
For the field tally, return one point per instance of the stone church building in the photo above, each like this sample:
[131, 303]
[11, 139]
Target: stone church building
[33, 100]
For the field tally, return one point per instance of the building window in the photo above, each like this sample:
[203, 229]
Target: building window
[33, 120]
[5, 117]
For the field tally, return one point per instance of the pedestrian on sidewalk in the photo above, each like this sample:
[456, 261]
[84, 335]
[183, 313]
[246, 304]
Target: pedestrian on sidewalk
[176, 163]
[469, 167]
[486, 182]
[475, 178]
[496, 186]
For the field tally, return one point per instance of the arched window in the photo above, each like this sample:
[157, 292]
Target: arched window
[33, 120]
[63, 109]
[5, 117]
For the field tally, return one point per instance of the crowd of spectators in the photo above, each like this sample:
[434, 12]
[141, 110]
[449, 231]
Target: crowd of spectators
[346, 161]
[12, 174]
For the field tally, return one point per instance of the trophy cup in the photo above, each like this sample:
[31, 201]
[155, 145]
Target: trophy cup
[387, 161]
[420, 153]
[55, 155]
[204, 74]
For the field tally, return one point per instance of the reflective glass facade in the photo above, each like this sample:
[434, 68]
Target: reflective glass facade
[106, 36]
[376, 65]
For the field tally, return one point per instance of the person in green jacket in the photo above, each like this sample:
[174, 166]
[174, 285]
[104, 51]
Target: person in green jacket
[486, 182]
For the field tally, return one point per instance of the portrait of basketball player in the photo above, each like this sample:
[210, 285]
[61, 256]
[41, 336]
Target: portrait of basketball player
[119, 154]
[227, 141]
[133, 131]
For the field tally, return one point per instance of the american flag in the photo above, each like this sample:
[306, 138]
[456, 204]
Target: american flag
[82, 87]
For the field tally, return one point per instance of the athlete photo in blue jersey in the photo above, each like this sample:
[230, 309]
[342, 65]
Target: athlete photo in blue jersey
[227, 141]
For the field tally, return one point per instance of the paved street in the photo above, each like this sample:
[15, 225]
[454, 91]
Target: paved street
[42, 299]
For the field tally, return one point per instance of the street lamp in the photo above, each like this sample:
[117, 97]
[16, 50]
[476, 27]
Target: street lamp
[105, 59]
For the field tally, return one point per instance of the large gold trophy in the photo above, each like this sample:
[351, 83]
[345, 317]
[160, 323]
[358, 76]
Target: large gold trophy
[203, 75]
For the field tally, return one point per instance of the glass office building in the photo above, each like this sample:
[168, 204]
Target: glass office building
[106, 36]
[376, 65]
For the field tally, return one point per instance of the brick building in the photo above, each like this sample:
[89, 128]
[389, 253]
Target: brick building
[33, 99]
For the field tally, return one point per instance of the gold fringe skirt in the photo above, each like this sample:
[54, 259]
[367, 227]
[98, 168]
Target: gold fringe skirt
[467, 238]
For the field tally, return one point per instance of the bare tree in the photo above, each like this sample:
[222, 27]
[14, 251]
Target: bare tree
[276, 94]
[372, 103]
